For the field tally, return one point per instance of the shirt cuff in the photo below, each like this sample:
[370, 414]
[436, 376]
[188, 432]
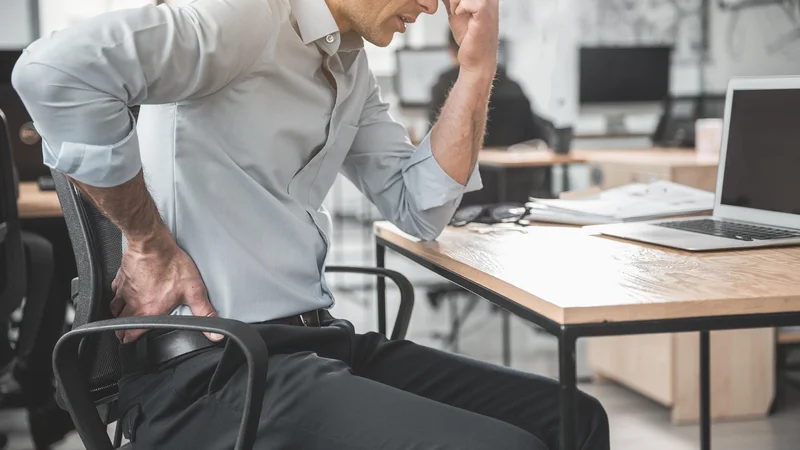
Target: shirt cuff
[97, 165]
[429, 185]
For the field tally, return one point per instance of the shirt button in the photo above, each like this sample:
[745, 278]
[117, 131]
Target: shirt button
[330, 39]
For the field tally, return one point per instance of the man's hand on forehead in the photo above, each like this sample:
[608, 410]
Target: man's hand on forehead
[474, 24]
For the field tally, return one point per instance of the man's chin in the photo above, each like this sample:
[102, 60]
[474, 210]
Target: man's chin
[379, 39]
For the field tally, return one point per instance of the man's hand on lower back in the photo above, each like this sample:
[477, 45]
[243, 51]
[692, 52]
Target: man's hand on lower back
[156, 275]
[154, 278]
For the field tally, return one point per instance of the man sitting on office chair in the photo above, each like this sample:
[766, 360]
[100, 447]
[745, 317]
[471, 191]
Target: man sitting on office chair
[510, 121]
[251, 108]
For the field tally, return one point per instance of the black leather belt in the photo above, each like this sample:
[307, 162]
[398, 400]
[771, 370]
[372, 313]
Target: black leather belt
[157, 347]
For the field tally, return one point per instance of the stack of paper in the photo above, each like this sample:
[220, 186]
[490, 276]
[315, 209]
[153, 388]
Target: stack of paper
[629, 203]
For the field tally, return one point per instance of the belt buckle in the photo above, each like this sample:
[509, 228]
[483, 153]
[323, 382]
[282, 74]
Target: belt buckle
[313, 319]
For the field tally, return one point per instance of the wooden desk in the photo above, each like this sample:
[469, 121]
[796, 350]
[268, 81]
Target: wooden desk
[576, 285]
[493, 157]
[36, 204]
[619, 167]
[639, 362]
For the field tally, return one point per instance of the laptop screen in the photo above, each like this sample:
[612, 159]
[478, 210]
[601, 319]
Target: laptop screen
[762, 165]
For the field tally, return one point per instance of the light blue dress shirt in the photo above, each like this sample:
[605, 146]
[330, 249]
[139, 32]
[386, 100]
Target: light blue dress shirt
[240, 136]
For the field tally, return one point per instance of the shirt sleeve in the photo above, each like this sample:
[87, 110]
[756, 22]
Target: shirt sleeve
[405, 183]
[77, 83]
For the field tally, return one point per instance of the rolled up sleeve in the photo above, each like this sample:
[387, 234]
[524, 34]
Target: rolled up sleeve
[78, 83]
[405, 183]
[429, 185]
[97, 165]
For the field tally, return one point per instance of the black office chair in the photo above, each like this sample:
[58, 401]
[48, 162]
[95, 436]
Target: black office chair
[86, 360]
[26, 259]
[12, 275]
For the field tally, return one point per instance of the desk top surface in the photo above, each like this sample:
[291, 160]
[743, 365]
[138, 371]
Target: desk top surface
[573, 277]
[494, 157]
[36, 204]
[671, 157]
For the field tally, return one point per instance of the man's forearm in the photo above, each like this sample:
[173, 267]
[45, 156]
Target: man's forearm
[457, 136]
[132, 209]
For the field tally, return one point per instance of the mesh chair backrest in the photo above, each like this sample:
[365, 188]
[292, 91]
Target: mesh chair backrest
[12, 267]
[97, 244]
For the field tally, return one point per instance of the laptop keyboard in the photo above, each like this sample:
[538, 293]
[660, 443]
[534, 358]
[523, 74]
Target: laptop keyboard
[731, 230]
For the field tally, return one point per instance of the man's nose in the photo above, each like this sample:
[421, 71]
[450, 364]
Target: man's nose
[429, 6]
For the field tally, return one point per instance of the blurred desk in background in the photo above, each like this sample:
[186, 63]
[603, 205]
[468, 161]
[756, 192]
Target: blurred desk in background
[679, 165]
[36, 204]
[502, 161]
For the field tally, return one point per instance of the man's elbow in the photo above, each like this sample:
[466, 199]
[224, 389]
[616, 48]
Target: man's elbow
[37, 84]
[429, 236]
[425, 230]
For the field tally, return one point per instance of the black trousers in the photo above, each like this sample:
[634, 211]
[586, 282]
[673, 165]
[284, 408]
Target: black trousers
[329, 388]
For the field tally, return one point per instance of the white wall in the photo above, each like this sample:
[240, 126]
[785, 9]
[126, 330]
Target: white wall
[15, 24]
[757, 41]
[543, 54]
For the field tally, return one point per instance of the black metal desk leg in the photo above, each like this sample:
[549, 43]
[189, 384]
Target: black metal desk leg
[705, 394]
[567, 380]
[565, 177]
[502, 185]
[380, 262]
[506, 337]
[502, 194]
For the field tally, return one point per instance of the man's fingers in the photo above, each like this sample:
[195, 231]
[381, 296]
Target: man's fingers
[125, 312]
[469, 6]
[128, 336]
[447, 6]
[132, 336]
[115, 281]
[453, 6]
[116, 305]
[198, 302]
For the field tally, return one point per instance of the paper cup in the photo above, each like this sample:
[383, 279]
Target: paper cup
[708, 137]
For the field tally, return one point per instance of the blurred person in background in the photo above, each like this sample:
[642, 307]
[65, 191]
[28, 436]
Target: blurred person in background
[510, 121]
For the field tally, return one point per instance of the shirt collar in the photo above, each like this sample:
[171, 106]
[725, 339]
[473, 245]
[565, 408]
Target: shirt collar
[316, 23]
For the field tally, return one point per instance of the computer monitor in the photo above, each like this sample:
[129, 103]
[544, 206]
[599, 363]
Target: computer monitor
[417, 71]
[624, 74]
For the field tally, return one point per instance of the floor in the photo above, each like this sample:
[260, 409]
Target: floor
[636, 423]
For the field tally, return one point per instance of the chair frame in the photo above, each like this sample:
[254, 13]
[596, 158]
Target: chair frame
[93, 411]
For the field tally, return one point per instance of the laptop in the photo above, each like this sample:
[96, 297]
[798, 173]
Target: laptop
[757, 201]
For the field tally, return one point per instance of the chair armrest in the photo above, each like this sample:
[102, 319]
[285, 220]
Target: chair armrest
[406, 294]
[76, 392]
